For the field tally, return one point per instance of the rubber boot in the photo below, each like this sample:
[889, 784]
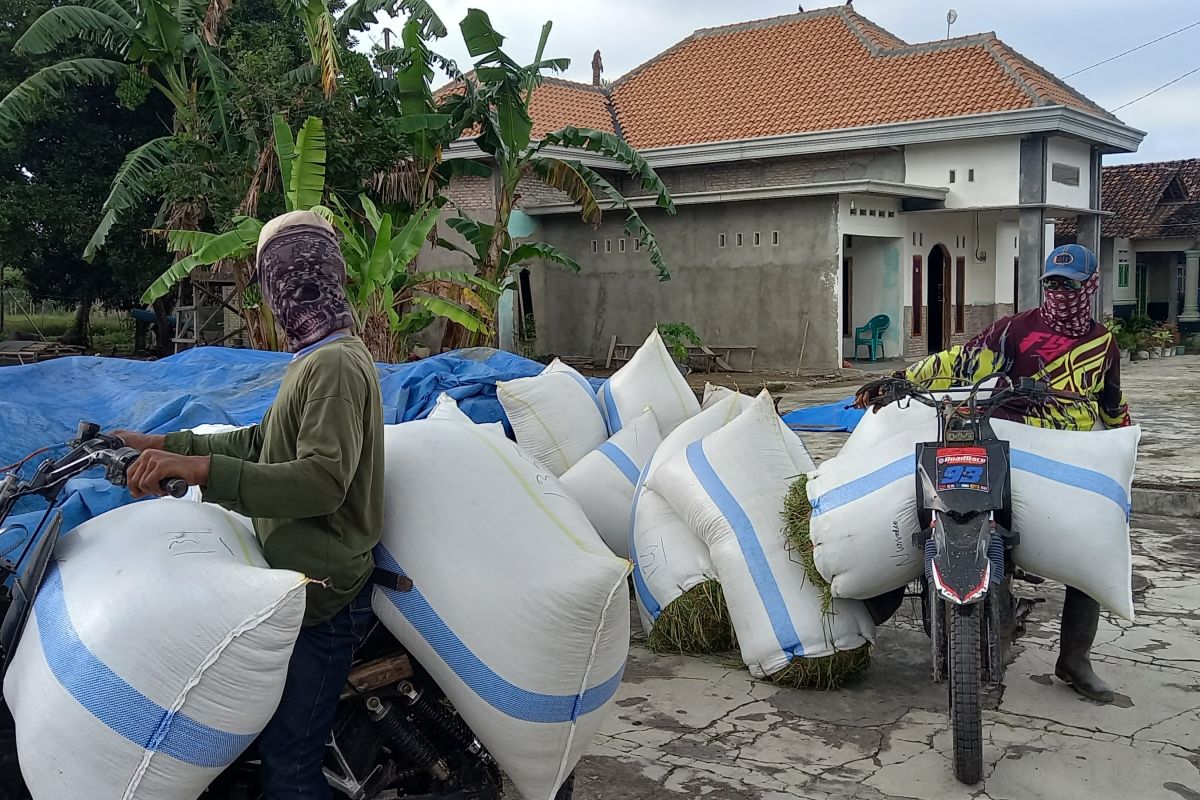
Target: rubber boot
[1080, 618]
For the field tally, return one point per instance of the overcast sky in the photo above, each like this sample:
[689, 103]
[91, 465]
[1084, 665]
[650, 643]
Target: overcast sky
[1060, 35]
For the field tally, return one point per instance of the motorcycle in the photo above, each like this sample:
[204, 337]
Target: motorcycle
[964, 506]
[395, 735]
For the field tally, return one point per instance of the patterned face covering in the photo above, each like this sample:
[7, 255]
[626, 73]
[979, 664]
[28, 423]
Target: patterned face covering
[1069, 311]
[301, 271]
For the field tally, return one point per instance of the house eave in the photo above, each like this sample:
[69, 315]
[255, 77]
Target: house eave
[869, 187]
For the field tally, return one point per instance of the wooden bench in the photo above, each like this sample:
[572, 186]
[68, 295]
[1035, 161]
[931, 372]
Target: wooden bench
[704, 358]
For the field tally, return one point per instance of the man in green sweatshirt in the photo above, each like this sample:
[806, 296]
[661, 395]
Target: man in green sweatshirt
[311, 476]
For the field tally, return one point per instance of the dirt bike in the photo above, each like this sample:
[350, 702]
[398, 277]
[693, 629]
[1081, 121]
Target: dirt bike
[964, 507]
[395, 735]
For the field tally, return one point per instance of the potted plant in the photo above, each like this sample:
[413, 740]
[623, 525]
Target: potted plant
[1128, 343]
[678, 336]
[1146, 345]
[1164, 341]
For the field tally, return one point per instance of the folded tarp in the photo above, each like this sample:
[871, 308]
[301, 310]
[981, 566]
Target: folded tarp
[831, 417]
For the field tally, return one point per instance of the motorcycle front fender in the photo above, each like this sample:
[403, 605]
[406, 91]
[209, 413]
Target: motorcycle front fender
[958, 562]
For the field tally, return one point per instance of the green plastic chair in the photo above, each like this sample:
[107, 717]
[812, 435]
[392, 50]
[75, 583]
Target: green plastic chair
[871, 337]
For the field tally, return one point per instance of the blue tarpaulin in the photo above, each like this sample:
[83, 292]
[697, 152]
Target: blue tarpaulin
[41, 404]
[831, 417]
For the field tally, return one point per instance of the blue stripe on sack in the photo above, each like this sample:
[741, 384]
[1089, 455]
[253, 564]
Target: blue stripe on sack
[756, 559]
[1071, 475]
[620, 461]
[510, 700]
[861, 487]
[113, 701]
[611, 414]
[644, 596]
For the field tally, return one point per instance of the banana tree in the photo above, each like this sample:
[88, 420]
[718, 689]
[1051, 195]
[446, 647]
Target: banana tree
[497, 99]
[153, 45]
[392, 303]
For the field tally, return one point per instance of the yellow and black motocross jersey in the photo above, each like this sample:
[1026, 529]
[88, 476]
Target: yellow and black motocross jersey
[1023, 346]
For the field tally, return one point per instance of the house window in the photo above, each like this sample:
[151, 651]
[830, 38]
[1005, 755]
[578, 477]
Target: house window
[637, 245]
[1123, 270]
[847, 295]
[774, 238]
[608, 245]
[595, 246]
[960, 294]
[757, 238]
[621, 245]
[891, 214]
[1066, 174]
[970, 176]
[739, 240]
[721, 240]
[918, 280]
[953, 176]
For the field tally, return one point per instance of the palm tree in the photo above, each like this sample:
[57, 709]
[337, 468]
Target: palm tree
[496, 98]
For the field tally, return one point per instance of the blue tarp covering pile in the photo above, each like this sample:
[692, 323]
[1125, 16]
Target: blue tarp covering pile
[831, 417]
[41, 404]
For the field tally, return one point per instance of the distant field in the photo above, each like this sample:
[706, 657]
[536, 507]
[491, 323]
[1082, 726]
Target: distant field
[111, 332]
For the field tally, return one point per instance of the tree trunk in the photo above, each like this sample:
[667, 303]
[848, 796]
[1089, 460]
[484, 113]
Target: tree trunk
[80, 331]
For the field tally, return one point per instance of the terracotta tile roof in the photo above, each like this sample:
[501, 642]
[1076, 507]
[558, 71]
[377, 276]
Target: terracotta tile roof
[814, 71]
[558, 103]
[1135, 195]
[821, 70]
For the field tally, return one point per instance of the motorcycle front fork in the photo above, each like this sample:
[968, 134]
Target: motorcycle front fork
[995, 613]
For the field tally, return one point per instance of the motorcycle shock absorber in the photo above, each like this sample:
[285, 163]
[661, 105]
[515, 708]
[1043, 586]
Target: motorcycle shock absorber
[447, 723]
[411, 742]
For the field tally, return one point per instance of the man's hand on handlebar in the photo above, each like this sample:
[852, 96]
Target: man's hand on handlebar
[870, 395]
[141, 441]
[146, 475]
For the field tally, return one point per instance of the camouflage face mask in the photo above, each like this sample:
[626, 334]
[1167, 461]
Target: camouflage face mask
[302, 273]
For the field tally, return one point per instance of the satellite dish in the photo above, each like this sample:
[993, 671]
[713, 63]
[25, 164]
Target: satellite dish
[951, 17]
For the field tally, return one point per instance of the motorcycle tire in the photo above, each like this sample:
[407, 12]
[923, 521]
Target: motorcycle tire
[966, 710]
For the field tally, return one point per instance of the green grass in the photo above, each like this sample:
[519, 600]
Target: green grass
[696, 622]
[110, 332]
[797, 515]
[825, 672]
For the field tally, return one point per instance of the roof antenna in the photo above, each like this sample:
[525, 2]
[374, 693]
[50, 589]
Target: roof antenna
[951, 18]
[800, 7]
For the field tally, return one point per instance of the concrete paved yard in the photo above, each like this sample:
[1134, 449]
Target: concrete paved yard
[688, 727]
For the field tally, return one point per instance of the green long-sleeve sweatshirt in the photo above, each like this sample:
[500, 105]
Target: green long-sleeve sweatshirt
[310, 474]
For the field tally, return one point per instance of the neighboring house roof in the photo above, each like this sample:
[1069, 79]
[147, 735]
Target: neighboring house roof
[814, 71]
[1142, 199]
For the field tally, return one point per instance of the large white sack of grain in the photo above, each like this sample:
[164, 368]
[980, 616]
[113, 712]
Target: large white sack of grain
[1071, 501]
[156, 652]
[864, 507]
[603, 481]
[651, 379]
[446, 407]
[730, 488]
[670, 558]
[518, 610]
[554, 416]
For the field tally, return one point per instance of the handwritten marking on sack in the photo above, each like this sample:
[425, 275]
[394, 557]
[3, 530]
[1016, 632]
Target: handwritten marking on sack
[902, 557]
[648, 559]
[185, 543]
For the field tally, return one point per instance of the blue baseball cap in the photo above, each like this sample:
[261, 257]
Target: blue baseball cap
[1070, 261]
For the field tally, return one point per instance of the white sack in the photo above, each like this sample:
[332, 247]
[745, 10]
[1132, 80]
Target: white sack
[864, 507]
[603, 481]
[651, 379]
[714, 394]
[730, 488]
[156, 653]
[1071, 499]
[670, 558]
[554, 416]
[445, 407]
[518, 610]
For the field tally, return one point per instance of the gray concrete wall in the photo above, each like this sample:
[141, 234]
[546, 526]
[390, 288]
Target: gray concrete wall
[749, 295]
[884, 164]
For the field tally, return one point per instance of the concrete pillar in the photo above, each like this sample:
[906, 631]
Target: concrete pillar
[1089, 237]
[1191, 287]
[1031, 248]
